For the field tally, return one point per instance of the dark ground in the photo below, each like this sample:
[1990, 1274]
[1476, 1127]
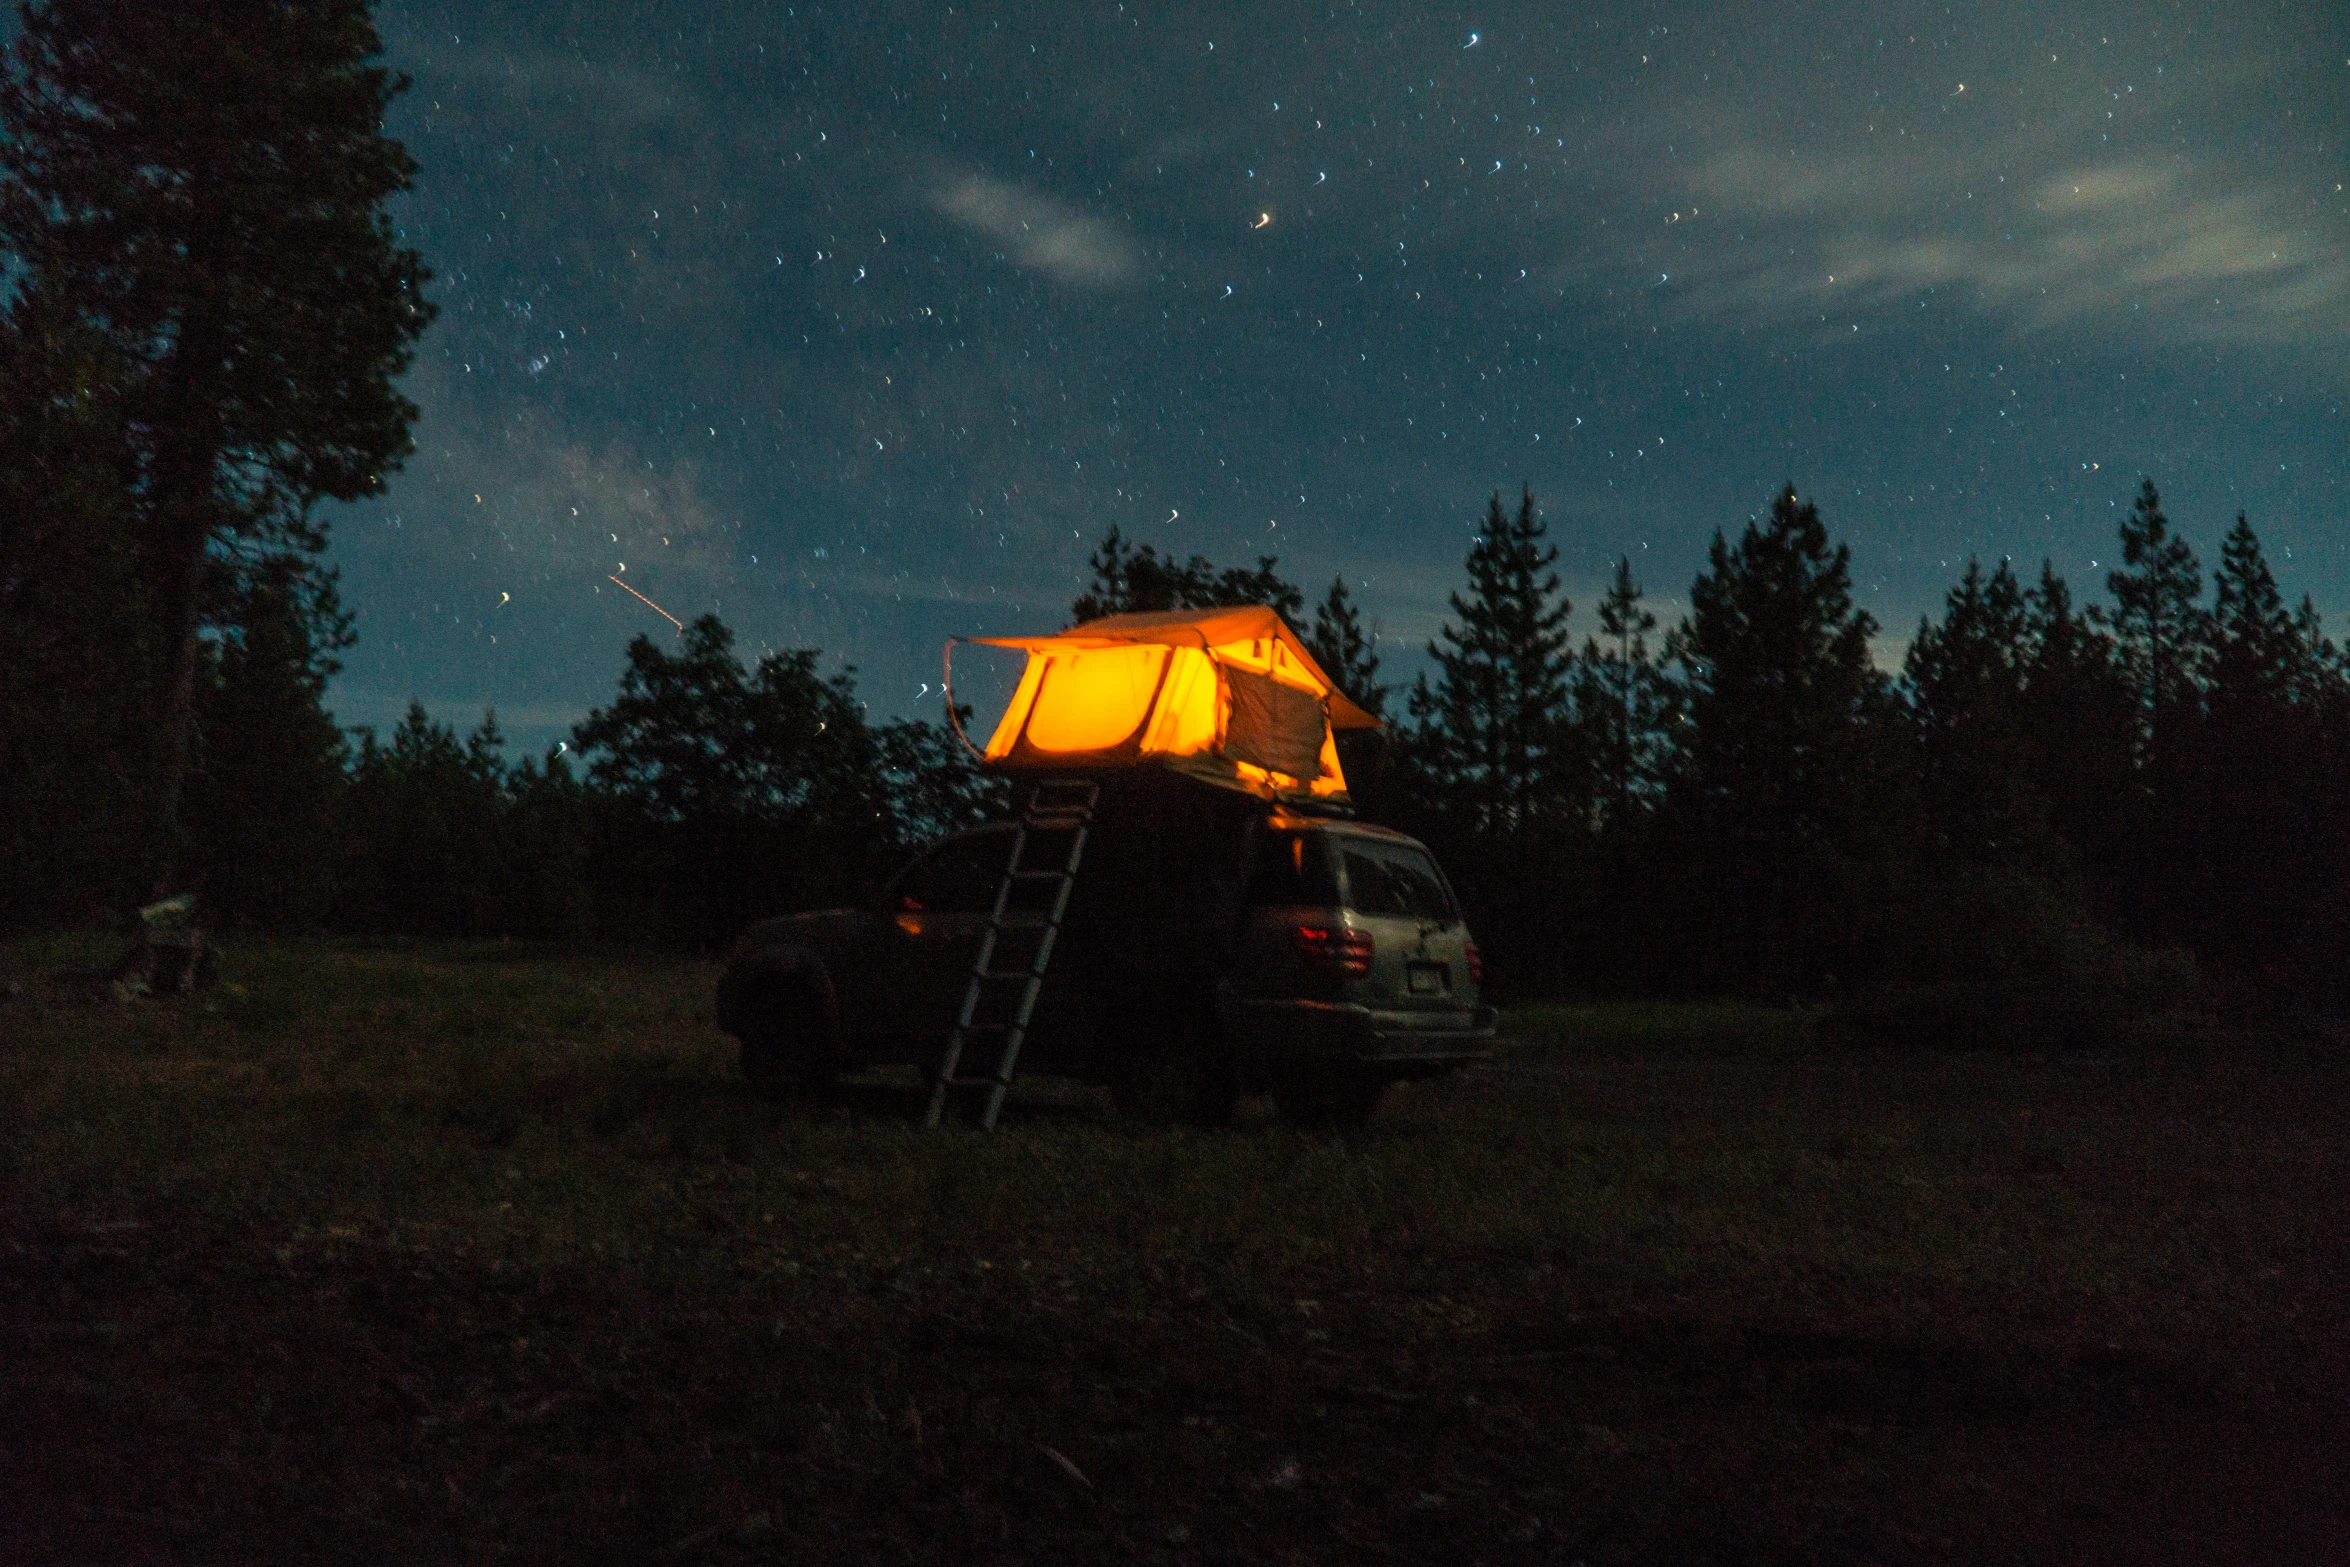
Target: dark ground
[177, 1397]
[209, 1361]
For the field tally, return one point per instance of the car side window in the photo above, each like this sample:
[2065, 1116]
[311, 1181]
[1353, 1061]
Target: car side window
[1388, 878]
[960, 876]
[1292, 868]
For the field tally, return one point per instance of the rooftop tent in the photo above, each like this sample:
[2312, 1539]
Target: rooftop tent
[1229, 696]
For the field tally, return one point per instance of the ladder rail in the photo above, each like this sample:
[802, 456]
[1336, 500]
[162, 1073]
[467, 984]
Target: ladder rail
[1046, 813]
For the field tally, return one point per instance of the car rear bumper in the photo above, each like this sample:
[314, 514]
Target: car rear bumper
[1415, 1043]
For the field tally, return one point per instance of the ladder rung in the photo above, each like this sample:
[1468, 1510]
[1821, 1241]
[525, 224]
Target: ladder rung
[1054, 806]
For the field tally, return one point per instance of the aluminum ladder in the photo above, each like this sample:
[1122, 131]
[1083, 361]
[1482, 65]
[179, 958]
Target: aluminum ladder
[1060, 811]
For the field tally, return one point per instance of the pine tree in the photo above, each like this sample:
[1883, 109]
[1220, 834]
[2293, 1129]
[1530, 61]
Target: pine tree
[1345, 653]
[1492, 737]
[1133, 579]
[2324, 696]
[2161, 637]
[425, 830]
[545, 881]
[2157, 619]
[2323, 670]
[2258, 652]
[79, 657]
[1790, 783]
[2078, 713]
[2264, 774]
[1965, 680]
[266, 780]
[1624, 704]
[206, 185]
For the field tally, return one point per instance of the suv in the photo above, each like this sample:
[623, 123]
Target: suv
[1211, 948]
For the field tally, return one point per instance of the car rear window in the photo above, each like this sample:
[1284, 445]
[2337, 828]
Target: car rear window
[1293, 868]
[1393, 878]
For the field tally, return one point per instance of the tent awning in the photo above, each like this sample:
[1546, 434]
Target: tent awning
[1206, 629]
[1227, 695]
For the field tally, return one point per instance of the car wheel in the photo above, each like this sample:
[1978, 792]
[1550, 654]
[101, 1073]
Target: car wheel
[1329, 1097]
[1177, 1075]
[784, 1050]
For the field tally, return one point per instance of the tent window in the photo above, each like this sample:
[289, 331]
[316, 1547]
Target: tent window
[1275, 726]
[1095, 699]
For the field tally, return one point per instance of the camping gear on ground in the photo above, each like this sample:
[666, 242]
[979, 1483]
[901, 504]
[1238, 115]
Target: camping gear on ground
[168, 956]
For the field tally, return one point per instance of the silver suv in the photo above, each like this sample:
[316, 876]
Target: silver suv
[1211, 949]
[1354, 968]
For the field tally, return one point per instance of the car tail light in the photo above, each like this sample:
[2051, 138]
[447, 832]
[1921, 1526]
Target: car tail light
[1333, 947]
[1476, 962]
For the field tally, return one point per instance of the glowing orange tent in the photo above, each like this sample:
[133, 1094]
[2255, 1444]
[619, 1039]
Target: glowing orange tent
[1229, 696]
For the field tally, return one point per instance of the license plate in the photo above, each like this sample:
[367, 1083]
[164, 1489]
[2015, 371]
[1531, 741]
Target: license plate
[1425, 979]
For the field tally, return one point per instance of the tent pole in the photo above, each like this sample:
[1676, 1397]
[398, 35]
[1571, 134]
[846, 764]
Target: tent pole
[955, 719]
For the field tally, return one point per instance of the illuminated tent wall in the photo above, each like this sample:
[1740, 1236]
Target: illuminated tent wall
[1229, 696]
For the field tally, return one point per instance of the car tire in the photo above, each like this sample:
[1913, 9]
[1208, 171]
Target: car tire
[784, 1050]
[1177, 1074]
[1329, 1097]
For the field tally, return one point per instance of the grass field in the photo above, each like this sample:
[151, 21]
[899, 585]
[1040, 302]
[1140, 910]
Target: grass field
[477, 1253]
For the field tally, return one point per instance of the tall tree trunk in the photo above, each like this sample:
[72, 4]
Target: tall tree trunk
[180, 508]
[180, 576]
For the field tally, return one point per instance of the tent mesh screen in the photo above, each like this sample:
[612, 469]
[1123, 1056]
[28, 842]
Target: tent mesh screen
[1274, 726]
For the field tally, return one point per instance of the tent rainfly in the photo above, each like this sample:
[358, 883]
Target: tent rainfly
[1228, 696]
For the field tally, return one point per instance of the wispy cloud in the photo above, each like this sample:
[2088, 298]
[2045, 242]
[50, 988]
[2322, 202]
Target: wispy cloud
[2035, 192]
[514, 75]
[1040, 232]
[2194, 252]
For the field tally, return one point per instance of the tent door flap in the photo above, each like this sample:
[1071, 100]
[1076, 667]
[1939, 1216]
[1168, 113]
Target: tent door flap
[1274, 726]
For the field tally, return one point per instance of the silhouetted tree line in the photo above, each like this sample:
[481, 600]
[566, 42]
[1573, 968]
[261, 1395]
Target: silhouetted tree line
[2046, 794]
[2047, 797]
[710, 795]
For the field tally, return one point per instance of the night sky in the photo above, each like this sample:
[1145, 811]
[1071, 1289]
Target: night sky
[859, 325]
